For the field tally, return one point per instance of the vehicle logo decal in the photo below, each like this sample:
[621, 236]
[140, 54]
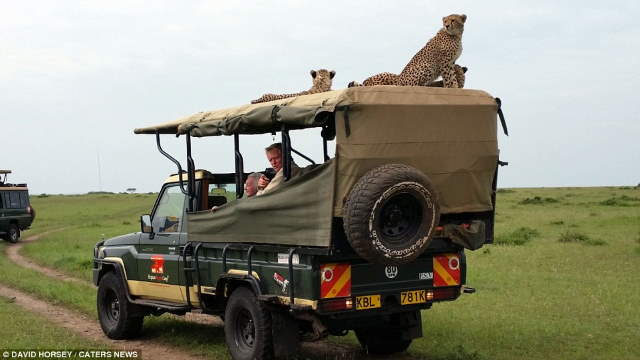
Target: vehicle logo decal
[157, 264]
[335, 280]
[281, 281]
[446, 270]
[157, 269]
[391, 271]
[425, 276]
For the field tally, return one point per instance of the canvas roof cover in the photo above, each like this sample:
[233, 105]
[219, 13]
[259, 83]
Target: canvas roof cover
[448, 134]
[297, 112]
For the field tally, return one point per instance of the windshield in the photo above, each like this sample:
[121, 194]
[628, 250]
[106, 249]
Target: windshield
[170, 210]
[220, 194]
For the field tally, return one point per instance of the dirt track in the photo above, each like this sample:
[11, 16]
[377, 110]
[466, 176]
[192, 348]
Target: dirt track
[90, 328]
[13, 253]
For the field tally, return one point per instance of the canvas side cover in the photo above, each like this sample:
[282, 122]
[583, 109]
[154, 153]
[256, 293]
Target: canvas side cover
[297, 213]
[449, 134]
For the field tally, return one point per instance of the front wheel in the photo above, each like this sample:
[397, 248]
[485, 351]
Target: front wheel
[117, 316]
[247, 327]
[13, 234]
[380, 342]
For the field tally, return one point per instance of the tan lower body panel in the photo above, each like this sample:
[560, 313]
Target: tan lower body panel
[176, 293]
[167, 292]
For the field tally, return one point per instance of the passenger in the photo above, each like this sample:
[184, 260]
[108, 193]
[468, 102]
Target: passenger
[274, 155]
[251, 185]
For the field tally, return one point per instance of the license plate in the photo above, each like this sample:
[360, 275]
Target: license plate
[413, 297]
[367, 302]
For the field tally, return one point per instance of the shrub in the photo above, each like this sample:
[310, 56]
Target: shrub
[519, 236]
[505, 191]
[557, 222]
[623, 200]
[537, 200]
[576, 237]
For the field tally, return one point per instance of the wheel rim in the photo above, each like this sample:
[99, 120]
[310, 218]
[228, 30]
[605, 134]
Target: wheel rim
[111, 306]
[13, 234]
[399, 218]
[245, 330]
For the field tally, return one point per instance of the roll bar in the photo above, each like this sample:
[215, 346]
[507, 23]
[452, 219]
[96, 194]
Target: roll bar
[239, 166]
[287, 149]
[190, 191]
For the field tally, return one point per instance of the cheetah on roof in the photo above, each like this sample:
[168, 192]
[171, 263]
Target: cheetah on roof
[322, 80]
[436, 58]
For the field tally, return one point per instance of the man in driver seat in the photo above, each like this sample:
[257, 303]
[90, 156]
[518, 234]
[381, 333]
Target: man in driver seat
[274, 155]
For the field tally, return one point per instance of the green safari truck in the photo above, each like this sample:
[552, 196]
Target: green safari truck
[363, 239]
[16, 213]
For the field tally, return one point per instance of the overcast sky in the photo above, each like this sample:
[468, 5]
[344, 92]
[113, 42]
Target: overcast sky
[77, 77]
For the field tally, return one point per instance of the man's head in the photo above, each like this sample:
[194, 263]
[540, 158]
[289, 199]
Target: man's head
[251, 185]
[274, 155]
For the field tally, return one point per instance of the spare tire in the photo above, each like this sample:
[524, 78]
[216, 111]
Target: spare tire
[390, 214]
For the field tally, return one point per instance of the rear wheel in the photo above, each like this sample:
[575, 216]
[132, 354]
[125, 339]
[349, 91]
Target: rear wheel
[13, 233]
[118, 318]
[247, 327]
[381, 342]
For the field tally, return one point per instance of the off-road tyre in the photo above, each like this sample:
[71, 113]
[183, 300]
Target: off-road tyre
[117, 315]
[390, 214]
[247, 327]
[13, 234]
[380, 342]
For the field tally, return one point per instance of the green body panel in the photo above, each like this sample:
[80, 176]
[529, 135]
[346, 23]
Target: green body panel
[124, 247]
[366, 278]
[14, 215]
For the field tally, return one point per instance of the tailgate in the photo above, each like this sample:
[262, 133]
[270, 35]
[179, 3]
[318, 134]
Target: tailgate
[432, 277]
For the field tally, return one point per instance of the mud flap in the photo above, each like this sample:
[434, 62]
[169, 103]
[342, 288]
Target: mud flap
[410, 323]
[286, 335]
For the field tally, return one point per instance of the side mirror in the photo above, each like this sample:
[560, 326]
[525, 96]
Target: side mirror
[145, 224]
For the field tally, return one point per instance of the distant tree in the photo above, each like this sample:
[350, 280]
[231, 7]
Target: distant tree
[131, 190]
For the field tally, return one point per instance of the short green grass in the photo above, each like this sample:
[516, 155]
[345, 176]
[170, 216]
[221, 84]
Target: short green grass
[21, 330]
[538, 297]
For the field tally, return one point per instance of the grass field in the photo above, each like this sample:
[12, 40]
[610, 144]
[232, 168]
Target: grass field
[21, 330]
[560, 282]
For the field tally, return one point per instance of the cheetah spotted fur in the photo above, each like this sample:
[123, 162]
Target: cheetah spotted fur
[322, 80]
[436, 58]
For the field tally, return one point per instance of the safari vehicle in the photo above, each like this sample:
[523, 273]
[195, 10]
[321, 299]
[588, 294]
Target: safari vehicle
[362, 240]
[16, 213]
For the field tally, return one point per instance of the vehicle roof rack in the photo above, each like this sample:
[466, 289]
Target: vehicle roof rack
[12, 185]
[184, 172]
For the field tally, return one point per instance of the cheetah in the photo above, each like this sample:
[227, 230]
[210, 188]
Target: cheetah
[322, 80]
[436, 58]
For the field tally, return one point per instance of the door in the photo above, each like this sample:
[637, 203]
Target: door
[159, 253]
[4, 223]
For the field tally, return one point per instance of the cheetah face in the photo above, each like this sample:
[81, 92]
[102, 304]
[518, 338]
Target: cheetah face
[322, 78]
[454, 24]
